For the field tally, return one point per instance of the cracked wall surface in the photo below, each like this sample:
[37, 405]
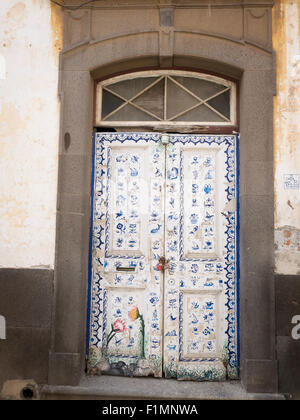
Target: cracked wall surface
[30, 41]
[286, 42]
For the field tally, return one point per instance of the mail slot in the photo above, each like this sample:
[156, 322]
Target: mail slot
[125, 268]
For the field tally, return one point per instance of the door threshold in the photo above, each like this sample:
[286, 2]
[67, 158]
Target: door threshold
[148, 388]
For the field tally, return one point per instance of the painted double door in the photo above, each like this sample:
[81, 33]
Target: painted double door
[174, 197]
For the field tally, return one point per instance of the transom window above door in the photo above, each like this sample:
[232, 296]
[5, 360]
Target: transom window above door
[160, 98]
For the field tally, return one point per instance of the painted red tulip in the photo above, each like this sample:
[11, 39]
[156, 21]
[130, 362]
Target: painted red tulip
[119, 326]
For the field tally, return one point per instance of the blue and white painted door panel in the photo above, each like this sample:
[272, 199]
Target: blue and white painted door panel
[200, 331]
[176, 201]
[128, 238]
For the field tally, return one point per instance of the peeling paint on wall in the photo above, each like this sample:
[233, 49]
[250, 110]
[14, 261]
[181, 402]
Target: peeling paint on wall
[286, 42]
[29, 115]
[288, 239]
[57, 30]
[287, 250]
[2, 67]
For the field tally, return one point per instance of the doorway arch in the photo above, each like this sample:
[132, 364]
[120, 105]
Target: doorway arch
[253, 67]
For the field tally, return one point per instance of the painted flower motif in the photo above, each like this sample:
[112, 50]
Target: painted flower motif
[207, 189]
[159, 267]
[119, 326]
[134, 313]
[119, 242]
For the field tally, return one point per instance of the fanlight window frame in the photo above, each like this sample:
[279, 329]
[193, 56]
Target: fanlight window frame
[230, 86]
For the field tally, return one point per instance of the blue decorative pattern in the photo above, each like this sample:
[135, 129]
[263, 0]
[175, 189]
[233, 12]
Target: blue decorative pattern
[230, 175]
[110, 226]
[195, 268]
[231, 291]
[206, 272]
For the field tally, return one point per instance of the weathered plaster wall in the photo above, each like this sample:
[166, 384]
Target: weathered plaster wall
[30, 41]
[286, 42]
[29, 115]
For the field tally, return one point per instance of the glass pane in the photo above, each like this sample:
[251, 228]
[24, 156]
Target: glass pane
[221, 103]
[153, 100]
[130, 113]
[200, 114]
[129, 88]
[178, 100]
[202, 88]
[109, 103]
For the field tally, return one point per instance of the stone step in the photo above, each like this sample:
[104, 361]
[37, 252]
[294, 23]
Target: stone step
[124, 388]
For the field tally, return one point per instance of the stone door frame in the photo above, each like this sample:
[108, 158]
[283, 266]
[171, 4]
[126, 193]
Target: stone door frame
[254, 69]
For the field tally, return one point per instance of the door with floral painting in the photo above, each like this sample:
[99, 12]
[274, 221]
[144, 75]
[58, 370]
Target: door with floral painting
[128, 239]
[163, 292]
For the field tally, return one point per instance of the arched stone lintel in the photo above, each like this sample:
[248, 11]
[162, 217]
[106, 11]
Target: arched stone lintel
[190, 49]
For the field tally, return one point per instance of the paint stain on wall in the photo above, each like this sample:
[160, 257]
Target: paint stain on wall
[287, 250]
[286, 43]
[57, 30]
[11, 120]
[279, 45]
[29, 132]
[16, 13]
[287, 238]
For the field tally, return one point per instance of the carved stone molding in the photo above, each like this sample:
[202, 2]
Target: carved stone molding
[77, 27]
[257, 26]
[166, 46]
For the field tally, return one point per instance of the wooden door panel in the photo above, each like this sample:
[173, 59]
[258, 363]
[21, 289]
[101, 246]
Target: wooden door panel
[200, 340]
[176, 201]
[126, 321]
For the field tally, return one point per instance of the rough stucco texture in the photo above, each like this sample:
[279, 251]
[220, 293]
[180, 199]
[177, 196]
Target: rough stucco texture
[30, 40]
[286, 42]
